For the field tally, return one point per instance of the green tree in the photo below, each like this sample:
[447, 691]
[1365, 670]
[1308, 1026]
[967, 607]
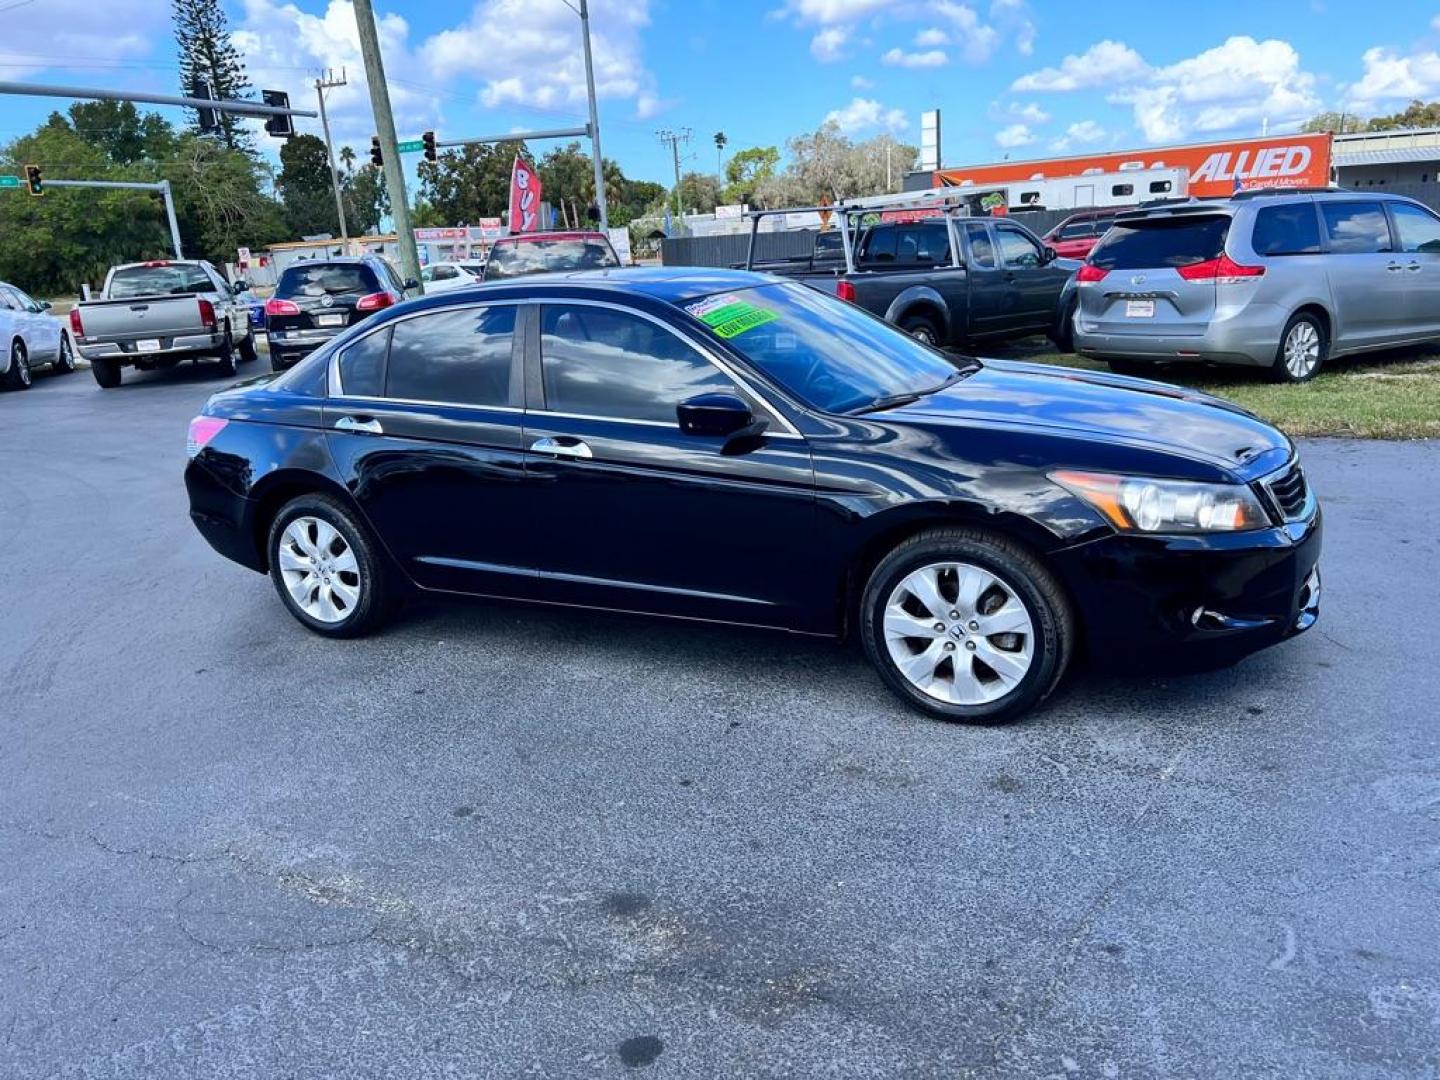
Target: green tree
[1338, 122]
[699, 192]
[208, 54]
[470, 182]
[367, 200]
[748, 168]
[121, 130]
[305, 189]
[1418, 114]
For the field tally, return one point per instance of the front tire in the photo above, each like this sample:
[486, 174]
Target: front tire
[106, 372]
[278, 361]
[19, 377]
[966, 626]
[326, 568]
[1304, 347]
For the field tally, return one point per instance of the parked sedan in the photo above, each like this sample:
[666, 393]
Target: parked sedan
[29, 337]
[719, 445]
[317, 299]
[448, 276]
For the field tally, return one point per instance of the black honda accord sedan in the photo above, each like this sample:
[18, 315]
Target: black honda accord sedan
[732, 447]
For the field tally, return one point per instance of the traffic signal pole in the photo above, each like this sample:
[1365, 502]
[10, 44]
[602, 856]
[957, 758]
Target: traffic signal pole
[246, 108]
[163, 187]
[385, 131]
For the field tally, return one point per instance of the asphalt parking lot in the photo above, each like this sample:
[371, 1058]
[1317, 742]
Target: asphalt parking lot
[504, 842]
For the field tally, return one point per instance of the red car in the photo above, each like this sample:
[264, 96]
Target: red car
[1077, 234]
[548, 253]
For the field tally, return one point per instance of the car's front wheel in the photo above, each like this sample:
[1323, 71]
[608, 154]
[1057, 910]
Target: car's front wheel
[966, 625]
[326, 568]
[18, 377]
[65, 362]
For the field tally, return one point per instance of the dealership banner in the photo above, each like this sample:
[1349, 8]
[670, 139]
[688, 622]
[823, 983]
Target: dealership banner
[524, 198]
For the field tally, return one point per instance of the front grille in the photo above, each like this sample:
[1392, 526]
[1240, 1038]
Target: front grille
[1290, 492]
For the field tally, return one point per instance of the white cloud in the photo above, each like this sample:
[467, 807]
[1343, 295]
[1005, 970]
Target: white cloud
[1391, 79]
[1083, 133]
[864, 114]
[860, 82]
[829, 43]
[1013, 16]
[1013, 136]
[929, 59]
[1027, 111]
[40, 37]
[529, 54]
[1103, 64]
[931, 37]
[976, 40]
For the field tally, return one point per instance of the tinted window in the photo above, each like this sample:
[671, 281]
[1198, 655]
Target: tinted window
[9, 300]
[1419, 231]
[830, 245]
[1355, 227]
[326, 279]
[982, 252]
[599, 362]
[1159, 187]
[881, 245]
[1286, 230]
[829, 354]
[1123, 189]
[154, 280]
[461, 356]
[362, 366]
[1016, 248]
[548, 256]
[445, 273]
[1077, 231]
[1161, 242]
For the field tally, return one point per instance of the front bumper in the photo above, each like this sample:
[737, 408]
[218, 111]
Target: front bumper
[1191, 602]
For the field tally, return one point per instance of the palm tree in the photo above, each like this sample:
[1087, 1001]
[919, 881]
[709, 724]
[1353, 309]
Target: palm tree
[347, 158]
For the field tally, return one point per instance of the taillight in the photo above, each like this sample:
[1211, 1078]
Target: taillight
[1222, 271]
[374, 302]
[1091, 272]
[845, 290]
[207, 314]
[202, 430]
[77, 328]
[275, 306]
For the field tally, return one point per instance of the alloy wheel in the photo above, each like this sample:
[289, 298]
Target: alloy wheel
[959, 633]
[1302, 350]
[319, 569]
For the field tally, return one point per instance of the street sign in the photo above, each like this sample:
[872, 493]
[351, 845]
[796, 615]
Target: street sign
[9, 181]
[410, 145]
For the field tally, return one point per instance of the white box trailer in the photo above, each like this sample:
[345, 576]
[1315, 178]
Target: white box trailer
[1128, 187]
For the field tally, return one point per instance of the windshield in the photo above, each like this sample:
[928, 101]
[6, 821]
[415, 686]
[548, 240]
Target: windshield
[548, 257]
[325, 279]
[831, 355]
[135, 281]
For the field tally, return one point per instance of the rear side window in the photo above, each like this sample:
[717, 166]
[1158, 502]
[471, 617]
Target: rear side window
[1157, 243]
[1078, 231]
[881, 245]
[460, 357]
[982, 251]
[1286, 230]
[1356, 228]
[362, 366]
[326, 279]
[155, 280]
[1419, 231]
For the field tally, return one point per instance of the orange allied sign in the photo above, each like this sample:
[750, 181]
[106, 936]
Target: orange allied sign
[1276, 161]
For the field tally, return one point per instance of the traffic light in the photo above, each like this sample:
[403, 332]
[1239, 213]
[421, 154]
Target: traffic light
[281, 126]
[375, 158]
[429, 140]
[33, 180]
[206, 117]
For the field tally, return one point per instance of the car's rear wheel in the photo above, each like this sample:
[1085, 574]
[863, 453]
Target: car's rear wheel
[1304, 346]
[1064, 336]
[247, 348]
[19, 376]
[921, 328]
[106, 372]
[226, 354]
[65, 364]
[326, 568]
[277, 360]
[966, 625]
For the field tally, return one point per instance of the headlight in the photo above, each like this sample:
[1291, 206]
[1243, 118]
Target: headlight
[1139, 504]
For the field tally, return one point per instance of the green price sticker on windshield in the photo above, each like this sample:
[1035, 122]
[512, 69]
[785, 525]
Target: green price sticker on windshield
[729, 316]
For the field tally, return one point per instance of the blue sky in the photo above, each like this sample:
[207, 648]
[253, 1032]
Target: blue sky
[1022, 78]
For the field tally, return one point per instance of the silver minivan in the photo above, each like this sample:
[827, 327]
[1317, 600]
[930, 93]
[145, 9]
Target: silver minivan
[1270, 279]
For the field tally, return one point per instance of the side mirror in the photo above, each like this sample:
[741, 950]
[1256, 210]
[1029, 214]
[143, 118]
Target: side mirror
[45, 305]
[411, 283]
[1048, 255]
[240, 286]
[714, 415]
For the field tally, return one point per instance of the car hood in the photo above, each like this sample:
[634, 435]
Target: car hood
[1107, 408]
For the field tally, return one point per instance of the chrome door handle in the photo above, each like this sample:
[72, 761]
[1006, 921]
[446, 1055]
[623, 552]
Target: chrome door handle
[1413, 266]
[367, 427]
[564, 446]
[1394, 266]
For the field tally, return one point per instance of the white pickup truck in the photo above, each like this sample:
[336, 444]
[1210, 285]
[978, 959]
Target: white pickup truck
[155, 314]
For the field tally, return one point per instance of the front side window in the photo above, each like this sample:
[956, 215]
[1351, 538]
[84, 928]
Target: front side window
[458, 357]
[1356, 228]
[362, 366]
[1419, 230]
[982, 251]
[1016, 248]
[1080, 230]
[601, 362]
[1286, 230]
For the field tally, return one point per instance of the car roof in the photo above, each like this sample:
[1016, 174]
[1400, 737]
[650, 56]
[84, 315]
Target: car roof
[523, 238]
[672, 285]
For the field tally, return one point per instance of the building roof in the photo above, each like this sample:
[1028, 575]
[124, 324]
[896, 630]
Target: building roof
[1398, 155]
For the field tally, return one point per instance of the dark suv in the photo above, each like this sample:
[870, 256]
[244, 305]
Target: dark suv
[316, 300]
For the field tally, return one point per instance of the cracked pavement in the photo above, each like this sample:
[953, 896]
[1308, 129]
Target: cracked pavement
[231, 848]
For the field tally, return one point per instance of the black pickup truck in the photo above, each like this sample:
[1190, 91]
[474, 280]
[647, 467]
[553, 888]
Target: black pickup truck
[1005, 283]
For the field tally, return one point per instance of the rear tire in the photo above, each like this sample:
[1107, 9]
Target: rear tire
[248, 351]
[1064, 336]
[921, 328]
[65, 363]
[1034, 629]
[106, 372]
[1304, 347]
[19, 376]
[327, 568]
[278, 361]
[226, 355]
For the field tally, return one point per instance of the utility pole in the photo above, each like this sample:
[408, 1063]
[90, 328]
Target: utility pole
[675, 138]
[598, 161]
[389, 148]
[321, 85]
